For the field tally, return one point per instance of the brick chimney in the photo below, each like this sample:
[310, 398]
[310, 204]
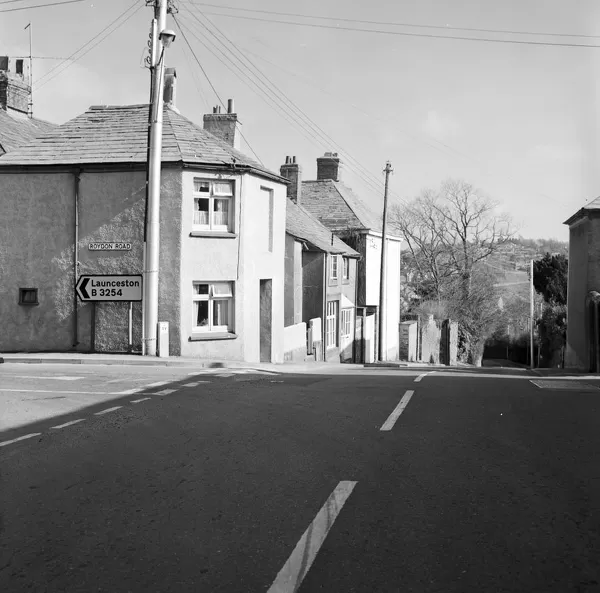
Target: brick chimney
[328, 167]
[224, 125]
[292, 172]
[170, 89]
[15, 86]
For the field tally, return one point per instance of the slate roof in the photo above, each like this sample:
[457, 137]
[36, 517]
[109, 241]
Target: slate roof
[301, 225]
[119, 134]
[15, 132]
[593, 205]
[338, 207]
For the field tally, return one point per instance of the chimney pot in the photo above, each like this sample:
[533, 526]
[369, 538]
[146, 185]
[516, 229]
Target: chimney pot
[230, 106]
[293, 173]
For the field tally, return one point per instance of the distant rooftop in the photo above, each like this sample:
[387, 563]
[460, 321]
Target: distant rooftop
[590, 206]
[16, 131]
[301, 225]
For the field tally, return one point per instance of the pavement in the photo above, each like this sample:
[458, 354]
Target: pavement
[239, 480]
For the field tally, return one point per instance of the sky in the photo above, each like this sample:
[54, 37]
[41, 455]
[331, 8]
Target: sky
[519, 121]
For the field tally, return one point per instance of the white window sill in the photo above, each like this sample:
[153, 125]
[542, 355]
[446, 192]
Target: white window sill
[204, 336]
[219, 234]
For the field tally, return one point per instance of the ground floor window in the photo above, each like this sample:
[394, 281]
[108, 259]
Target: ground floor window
[346, 323]
[213, 306]
[331, 333]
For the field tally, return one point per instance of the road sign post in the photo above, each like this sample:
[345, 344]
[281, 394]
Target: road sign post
[120, 287]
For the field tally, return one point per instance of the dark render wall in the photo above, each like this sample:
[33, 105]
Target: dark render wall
[312, 273]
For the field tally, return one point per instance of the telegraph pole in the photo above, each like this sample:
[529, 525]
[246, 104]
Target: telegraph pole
[153, 201]
[382, 277]
[531, 293]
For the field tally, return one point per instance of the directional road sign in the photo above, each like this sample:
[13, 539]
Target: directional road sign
[109, 288]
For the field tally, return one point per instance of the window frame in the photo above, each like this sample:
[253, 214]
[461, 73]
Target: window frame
[346, 269]
[346, 322]
[26, 303]
[331, 325]
[211, 196]
[334, 269]
[211, 296]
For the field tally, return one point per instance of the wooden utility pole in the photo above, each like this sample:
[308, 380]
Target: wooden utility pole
[382, 278]
[531, 293]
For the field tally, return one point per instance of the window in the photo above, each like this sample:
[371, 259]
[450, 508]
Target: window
[213, 205]
[267, 202]
[331, 335]
[28, 296]
[213, 307]
[346, 268]
[333, 268]
[346, 324]
[19, 67]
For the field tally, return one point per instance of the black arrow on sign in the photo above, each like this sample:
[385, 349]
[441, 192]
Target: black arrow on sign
[82, 291]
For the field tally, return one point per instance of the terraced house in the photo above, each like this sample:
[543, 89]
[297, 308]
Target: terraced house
[73, 203]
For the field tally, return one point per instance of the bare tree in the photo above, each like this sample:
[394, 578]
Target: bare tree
[449, 234]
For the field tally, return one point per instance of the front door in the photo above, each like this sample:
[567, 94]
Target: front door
[266, 319]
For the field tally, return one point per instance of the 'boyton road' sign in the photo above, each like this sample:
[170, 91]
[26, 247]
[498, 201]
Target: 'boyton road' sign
[109, 288]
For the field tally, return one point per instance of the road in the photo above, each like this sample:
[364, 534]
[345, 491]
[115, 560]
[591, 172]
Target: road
[224, 481]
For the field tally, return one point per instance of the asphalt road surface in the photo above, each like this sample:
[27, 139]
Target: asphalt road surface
[370, 481]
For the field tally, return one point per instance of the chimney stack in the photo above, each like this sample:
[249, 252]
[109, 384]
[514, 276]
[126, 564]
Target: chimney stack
[169, 94]
[328, 167]
[293, 173]
[15, 85]
[224, 125]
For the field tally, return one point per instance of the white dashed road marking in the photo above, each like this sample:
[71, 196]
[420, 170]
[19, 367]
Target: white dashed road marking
[137, 401]
[56, 378]
[418, 379]
[27, 436]
[298, 564]
[68, 423]
[389, 423]
[60, 391]
[107, 410]
[157, 384]
[165, 392]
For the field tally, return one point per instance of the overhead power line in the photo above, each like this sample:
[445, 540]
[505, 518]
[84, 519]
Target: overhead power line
[41, 5]
[407, 33]
[211, 84]
[72, 59]
[393, 24]
[273, 95]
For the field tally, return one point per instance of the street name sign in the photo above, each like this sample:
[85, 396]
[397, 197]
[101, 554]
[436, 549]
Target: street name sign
[109, 288]
[110, 246]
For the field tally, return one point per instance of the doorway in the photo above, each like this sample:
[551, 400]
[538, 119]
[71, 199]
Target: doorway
[266, 319]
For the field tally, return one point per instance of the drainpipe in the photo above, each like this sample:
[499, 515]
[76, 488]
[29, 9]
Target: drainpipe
[354, 346]
[77, 178]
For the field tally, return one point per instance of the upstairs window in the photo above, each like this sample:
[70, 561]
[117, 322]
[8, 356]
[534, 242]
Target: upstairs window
[333, 268]
[19, 67]
[346, 268]
[213, 205]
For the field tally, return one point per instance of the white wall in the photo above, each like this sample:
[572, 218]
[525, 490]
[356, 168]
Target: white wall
[244, 259]
[373, 271]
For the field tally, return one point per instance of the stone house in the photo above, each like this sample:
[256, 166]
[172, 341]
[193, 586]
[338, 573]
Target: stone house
[583, 292]
[320, 281]
[348, 217]
[16, 127]
[73, 203]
